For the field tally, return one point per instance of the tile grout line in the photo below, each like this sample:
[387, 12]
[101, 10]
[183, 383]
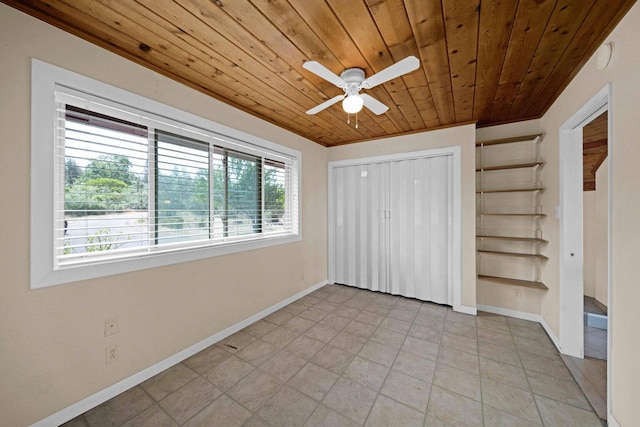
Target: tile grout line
[526, 375]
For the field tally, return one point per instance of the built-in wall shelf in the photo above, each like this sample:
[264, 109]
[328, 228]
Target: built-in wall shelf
[514, 282]
[515, 239]
[506, 214]
[511, 190]
[511, 214]
[515, 254]
[511, 166]
[537, 136]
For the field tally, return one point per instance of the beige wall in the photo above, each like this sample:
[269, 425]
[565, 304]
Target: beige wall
[595, 237]
[602, 215]
[625, 174]
[52, 349]
[463, 136]
[590, 242]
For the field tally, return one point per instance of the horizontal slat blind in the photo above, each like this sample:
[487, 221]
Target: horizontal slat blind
[129, 188]
[237, 193]
[105, 186]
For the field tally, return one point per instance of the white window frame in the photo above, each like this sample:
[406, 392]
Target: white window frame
[45, 79]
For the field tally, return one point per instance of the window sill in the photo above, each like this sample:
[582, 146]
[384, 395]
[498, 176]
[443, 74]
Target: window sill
[76, 273]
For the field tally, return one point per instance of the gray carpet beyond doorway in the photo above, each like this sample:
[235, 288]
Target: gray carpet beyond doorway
[348, 357]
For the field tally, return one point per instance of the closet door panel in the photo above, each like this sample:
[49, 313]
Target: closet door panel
[359, 254]
[440, 224]
[419, 228]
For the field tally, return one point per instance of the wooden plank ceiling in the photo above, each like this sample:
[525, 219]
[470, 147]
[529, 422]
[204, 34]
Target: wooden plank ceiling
[484, 61]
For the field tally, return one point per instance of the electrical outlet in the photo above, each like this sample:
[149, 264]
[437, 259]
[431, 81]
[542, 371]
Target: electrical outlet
[518, 294]
[111, 326]
[111, 354]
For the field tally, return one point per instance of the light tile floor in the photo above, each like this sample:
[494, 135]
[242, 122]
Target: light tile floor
[595, 339]
[348, 357]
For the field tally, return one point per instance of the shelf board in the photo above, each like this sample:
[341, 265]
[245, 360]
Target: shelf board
[511, 166]
[510, 214]
[514, 254]
[508, 140]
[515, 239]
[513, 282]
[512, 190]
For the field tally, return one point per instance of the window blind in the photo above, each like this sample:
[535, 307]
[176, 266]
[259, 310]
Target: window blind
[130, 185]
[105, 198]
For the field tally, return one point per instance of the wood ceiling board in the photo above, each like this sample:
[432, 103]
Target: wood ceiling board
[601, 19]
[366, 36]
[176, 41]
[323, 22]
[496, 23]
[560, 30]
[234, 30]
[461, 25]
[594, 149]
[283, 16]
[225, 87]
[511, 61]
[597, 131]
[391, 20]
[427, 24]
[242, 18]
[529, 25]
[337, 48]
[588, 146]
[110, 31]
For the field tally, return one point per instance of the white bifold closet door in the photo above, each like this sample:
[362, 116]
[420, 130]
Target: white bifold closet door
[392, 227]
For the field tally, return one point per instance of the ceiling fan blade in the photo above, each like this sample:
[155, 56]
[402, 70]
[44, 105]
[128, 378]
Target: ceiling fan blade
[322, 71]
[325, 104]
[373, 104]
[405, 66]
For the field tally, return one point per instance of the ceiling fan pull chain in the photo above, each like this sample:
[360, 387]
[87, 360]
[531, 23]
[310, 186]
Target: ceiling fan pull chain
[348, 118]
[356, 120]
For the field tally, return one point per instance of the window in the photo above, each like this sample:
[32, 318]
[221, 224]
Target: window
[134, 189]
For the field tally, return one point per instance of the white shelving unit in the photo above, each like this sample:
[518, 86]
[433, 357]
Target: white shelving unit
[509, 211]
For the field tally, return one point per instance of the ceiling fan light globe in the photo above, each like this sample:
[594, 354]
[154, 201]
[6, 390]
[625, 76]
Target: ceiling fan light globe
[352, 104]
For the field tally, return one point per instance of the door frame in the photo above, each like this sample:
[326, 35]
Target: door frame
[456, 214]
[571, 230]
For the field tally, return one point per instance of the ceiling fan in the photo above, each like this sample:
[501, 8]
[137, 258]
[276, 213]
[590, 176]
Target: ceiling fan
[352, 81]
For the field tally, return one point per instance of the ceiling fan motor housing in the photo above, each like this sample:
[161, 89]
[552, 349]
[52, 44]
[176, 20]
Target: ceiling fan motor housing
[353, 75]
[353, 78]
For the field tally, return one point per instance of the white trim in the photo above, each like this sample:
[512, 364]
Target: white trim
[102, 396]
[569, 326]
[571, 213]
[45, 80]
[466, 310]
[524, 316]
[571, 234]
[432, 152]
[510, 313]
[611, 421]
[610, 310]
[552, 335]
[456, 230]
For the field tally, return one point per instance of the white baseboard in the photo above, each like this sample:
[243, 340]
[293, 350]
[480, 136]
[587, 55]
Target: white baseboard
[102, 396]
[466, 310]
[508, 312]
[554, 338]
[524, 316]
[611, 421]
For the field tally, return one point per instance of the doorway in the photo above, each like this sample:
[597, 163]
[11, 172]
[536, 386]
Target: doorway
[572, 253]
[595, 187]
